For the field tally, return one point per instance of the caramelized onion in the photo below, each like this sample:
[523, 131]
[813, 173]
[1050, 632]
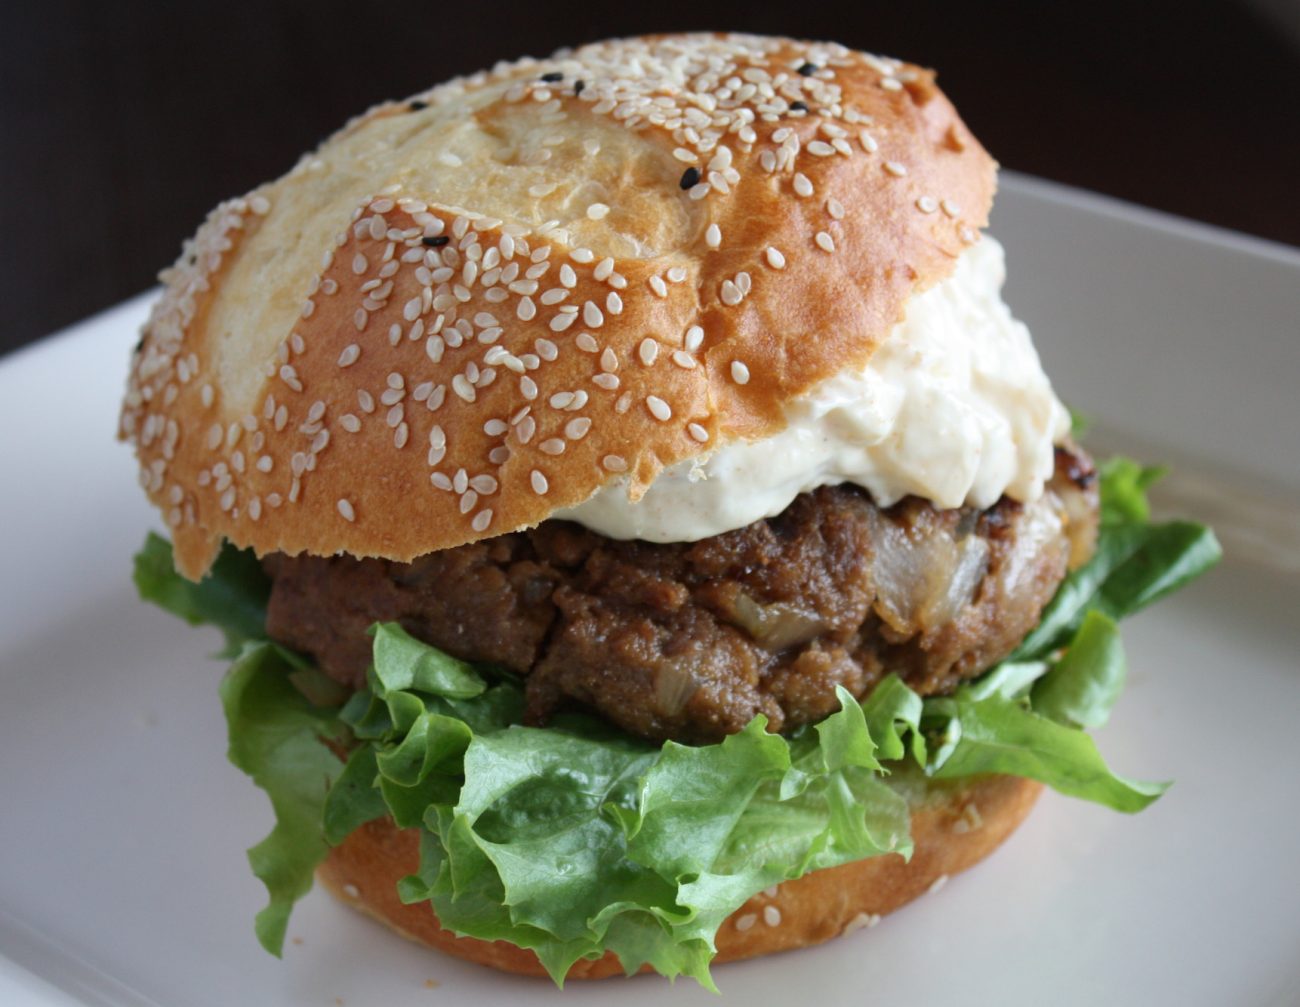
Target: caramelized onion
[777, 625]
[924, 579]
[972, 564]
[674, 686]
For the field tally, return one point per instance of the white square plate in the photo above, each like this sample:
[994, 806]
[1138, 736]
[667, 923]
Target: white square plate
[122, 829]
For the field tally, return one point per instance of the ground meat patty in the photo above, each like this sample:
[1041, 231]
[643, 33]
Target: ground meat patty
[689, 641]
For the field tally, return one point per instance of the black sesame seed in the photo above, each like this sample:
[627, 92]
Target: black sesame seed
[578, 85]
[437, 242]
[551, 78]
[798, 106]
[417, 105]
[808, 69]
[690, 178]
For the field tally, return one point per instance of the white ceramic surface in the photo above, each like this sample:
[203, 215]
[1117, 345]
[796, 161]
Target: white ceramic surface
[122, 828]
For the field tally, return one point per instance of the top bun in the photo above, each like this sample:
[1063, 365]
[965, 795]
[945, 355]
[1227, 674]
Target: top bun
[470, 309]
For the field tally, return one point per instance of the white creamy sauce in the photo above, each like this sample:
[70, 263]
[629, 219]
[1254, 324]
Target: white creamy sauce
[953, 407]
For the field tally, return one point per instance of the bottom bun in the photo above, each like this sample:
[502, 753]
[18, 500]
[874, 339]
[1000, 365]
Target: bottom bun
[954, 826]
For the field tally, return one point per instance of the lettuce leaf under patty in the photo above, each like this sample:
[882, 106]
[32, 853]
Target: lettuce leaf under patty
[576, 839]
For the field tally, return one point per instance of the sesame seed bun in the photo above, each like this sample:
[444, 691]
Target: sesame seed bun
[472, 308]
[954, 826]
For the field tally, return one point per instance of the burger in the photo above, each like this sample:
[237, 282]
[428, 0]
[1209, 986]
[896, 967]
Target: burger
[643, 535]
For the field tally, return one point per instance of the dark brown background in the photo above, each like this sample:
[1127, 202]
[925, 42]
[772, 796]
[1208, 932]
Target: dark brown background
[121, 124]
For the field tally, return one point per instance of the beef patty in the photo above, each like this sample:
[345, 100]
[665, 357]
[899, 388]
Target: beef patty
[690, 640]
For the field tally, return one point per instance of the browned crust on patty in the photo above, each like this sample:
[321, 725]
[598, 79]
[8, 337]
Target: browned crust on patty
[690, 641]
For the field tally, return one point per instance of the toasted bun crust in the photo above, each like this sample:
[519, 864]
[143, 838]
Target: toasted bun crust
[322, 373]
[955, 827]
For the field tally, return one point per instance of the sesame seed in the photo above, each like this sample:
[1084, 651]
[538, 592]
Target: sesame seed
[462, 387]
[939, 882]
[694, 338]
[682, 154]
[731, 295]
[345, 509]
[739, 372]
[347, 421]
[683, 359]
[860, 922]
[676, 274]
[807, 69]
[698, 192]
[835, 208]
[481, 521]
[774, 258]
[592, 315]
[698, 432]
[825, 242]
[577, 428]
[896, 168]
[614, 463]
[802, 186]
[648, 351]
[539, 482]
[868, 142]
[891, 84]
[604, 380]
[614, 303]
[950, 208]
[690, 178]
[713, 236]
[745, 922]
[658, 286]
[552, 446]
[820, 148]
[659, 409]
[927, 204]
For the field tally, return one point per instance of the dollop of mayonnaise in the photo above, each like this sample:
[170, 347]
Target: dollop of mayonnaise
[953, 407]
